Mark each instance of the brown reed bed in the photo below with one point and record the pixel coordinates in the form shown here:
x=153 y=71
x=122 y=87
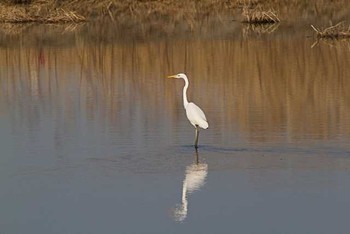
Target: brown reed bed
x=49 y=11
x=338 y=31
x=164 y=11
x=38 y=11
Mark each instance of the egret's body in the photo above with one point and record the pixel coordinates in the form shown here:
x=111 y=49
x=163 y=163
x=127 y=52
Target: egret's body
x=194 y=114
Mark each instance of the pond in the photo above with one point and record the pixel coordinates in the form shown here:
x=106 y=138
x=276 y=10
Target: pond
x=94 y=137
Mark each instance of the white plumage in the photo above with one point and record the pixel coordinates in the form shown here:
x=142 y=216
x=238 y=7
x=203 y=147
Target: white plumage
x=194 y=114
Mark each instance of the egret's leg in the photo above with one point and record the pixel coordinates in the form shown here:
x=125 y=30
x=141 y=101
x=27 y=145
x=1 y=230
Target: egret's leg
x=197 y=156
x=196 y=138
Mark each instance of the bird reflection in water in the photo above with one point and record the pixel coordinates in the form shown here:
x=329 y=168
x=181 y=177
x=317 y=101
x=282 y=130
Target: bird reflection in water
x=195 y=176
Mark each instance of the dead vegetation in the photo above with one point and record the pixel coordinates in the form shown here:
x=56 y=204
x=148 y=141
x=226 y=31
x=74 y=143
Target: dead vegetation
x=18 y=11
x=37 y=11
x=163 y=11
x=338 y=31
x=257 y=15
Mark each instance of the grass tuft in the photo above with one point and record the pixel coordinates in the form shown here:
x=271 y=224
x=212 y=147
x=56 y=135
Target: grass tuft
x=256 y=15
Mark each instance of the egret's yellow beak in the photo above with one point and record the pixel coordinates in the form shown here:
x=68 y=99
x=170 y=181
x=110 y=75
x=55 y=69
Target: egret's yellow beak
x=173 y=76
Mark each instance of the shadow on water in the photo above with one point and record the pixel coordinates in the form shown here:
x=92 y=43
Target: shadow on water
x=269 y=150
x=195 y=176
x=217 y=149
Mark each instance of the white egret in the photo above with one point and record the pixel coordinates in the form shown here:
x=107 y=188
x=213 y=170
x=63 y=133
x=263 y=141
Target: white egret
x=194 y=114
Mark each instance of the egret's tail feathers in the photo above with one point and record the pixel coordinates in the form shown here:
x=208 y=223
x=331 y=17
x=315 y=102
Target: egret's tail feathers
x=204 y=125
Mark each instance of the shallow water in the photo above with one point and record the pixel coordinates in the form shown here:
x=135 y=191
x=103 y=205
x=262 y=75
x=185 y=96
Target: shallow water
x=94 y=138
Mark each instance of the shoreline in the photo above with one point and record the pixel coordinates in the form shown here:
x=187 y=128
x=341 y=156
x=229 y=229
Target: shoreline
x=164 y=18
x=165 y=11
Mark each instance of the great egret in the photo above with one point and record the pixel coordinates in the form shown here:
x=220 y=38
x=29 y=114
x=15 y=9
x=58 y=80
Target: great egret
x=194 y=114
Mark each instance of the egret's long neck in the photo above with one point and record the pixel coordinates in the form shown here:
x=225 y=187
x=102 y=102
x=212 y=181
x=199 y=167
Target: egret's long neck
x=184 y=92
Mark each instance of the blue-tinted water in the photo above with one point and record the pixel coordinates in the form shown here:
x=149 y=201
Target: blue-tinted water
x=94 y=138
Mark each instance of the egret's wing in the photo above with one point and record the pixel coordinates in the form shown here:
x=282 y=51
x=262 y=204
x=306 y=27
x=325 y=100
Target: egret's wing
x=196 y=116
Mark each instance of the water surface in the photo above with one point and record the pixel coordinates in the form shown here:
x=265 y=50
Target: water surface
x=94 y=138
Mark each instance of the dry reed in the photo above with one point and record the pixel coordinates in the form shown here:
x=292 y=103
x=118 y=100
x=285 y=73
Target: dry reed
x=162 y=11
x=333 y=32
x=38 y=12
x=257 y=15
x=117 y=10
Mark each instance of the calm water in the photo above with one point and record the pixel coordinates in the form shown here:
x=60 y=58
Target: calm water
x=94 y=138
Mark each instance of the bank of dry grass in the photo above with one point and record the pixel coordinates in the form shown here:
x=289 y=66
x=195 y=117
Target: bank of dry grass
x=43 y=11
x=17 y=11
x=121 y=10
x=162 y=16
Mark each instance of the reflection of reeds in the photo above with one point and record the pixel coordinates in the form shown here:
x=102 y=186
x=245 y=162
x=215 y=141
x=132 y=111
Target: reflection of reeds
x=339 y=44
x=13 y=29
x=248 y=29
x=258 y=86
